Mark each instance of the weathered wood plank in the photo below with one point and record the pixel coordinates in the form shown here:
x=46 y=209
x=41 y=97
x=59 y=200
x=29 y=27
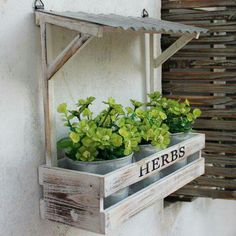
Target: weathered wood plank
x=220 y=159
x=72 y=24
x=61 y=178
x=214 y=182
x=170 y=51
x=216 y=124
x=218 y=147
x=206 y=88
x=67 y=53
x=207 y=192
x=207 y=52
x=207 y=100
x=220 y=171
x=201 y=64
x=220 y=136
x=220 y=113
x=89 y=220
x=202 y=76
x=188 y=4
x=124 y=210
x=223 y=39
x=128 y=175
x=202 y=15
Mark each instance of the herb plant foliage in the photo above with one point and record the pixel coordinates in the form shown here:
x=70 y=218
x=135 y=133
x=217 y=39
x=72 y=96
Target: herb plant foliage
x=180 y=115
x=111 y=134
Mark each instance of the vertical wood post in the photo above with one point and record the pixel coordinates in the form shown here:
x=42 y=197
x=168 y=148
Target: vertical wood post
x=46 y=102
x=151 y=63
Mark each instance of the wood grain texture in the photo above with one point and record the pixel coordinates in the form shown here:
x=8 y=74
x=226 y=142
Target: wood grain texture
x=204 y=72
x=172 y=49
x=128 y=175
x=67 y=53
x=80 y=26
x=124 y=210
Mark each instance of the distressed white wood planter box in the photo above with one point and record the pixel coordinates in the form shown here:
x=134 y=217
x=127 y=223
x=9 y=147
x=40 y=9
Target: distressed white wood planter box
x=77 y=198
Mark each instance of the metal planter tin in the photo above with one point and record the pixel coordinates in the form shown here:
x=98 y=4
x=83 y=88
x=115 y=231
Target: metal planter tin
x=146 y=150
x=103 y=167
x=179 y=137
x=174 y=139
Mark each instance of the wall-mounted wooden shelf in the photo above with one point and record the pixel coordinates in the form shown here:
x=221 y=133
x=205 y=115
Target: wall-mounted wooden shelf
x=77 y=198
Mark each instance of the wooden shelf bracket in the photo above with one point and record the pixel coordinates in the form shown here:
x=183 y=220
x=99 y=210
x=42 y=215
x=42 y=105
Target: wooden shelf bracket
x=175 y=47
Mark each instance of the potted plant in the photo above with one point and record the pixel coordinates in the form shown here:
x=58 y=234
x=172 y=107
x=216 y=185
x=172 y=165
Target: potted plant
x=180 y=116
x=99 y=144
x=180 y=119
x=154 y=133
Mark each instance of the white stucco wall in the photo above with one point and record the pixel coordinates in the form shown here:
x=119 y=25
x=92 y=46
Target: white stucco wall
x=22 y=141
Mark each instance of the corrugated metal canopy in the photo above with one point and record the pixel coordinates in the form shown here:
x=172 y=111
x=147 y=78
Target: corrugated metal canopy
x=129 y=23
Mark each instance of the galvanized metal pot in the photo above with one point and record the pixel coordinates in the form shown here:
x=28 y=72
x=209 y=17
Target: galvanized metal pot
x=146 y=150
x=179 y=137
x=176 y=138
x=103 y=167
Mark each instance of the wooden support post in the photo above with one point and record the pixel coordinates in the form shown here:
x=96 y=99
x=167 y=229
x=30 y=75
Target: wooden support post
x=47 y=73
x=43 y=35
x=67 y=53
x=176 y=46
x=151 y=70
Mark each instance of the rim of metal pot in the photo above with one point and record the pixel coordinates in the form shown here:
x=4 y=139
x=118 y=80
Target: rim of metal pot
x=173 y=134
x=102 y=161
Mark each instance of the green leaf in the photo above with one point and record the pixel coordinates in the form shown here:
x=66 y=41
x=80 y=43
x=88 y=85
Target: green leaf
x=123 y=132
x=64 y=143
x=116 y=140
x=74 y=137
x=197 y=112
x=62 y=108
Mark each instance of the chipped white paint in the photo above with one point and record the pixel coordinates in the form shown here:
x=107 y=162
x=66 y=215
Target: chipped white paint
x=21 y=139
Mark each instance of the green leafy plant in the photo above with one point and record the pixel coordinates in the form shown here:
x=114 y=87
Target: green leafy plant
x=110 y=135
x=180 y=115
x=150 y=124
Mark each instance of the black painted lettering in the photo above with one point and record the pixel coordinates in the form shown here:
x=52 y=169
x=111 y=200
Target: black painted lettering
x=181 y=151
x=174 y=155
x=155 y=164
x=164 y=159
x=145 y=168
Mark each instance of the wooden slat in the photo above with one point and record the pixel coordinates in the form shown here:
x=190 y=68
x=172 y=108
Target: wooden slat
x=220 y=136
x=201 y=76
x=214 y=182
x=201 y=64
x=196 y=4
x=76 y=217
x=220 y=113
x=215 y=124
x=62 y=177
x=207 y=192
x=117 y=214
x=220 y=171
x=220 y=159
x=206 y=88
x=204 y=72
x=216 y=147
x=207 y=52
x=128 y=175
x=205 y=40
x=203 y=15
x=206 y=100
